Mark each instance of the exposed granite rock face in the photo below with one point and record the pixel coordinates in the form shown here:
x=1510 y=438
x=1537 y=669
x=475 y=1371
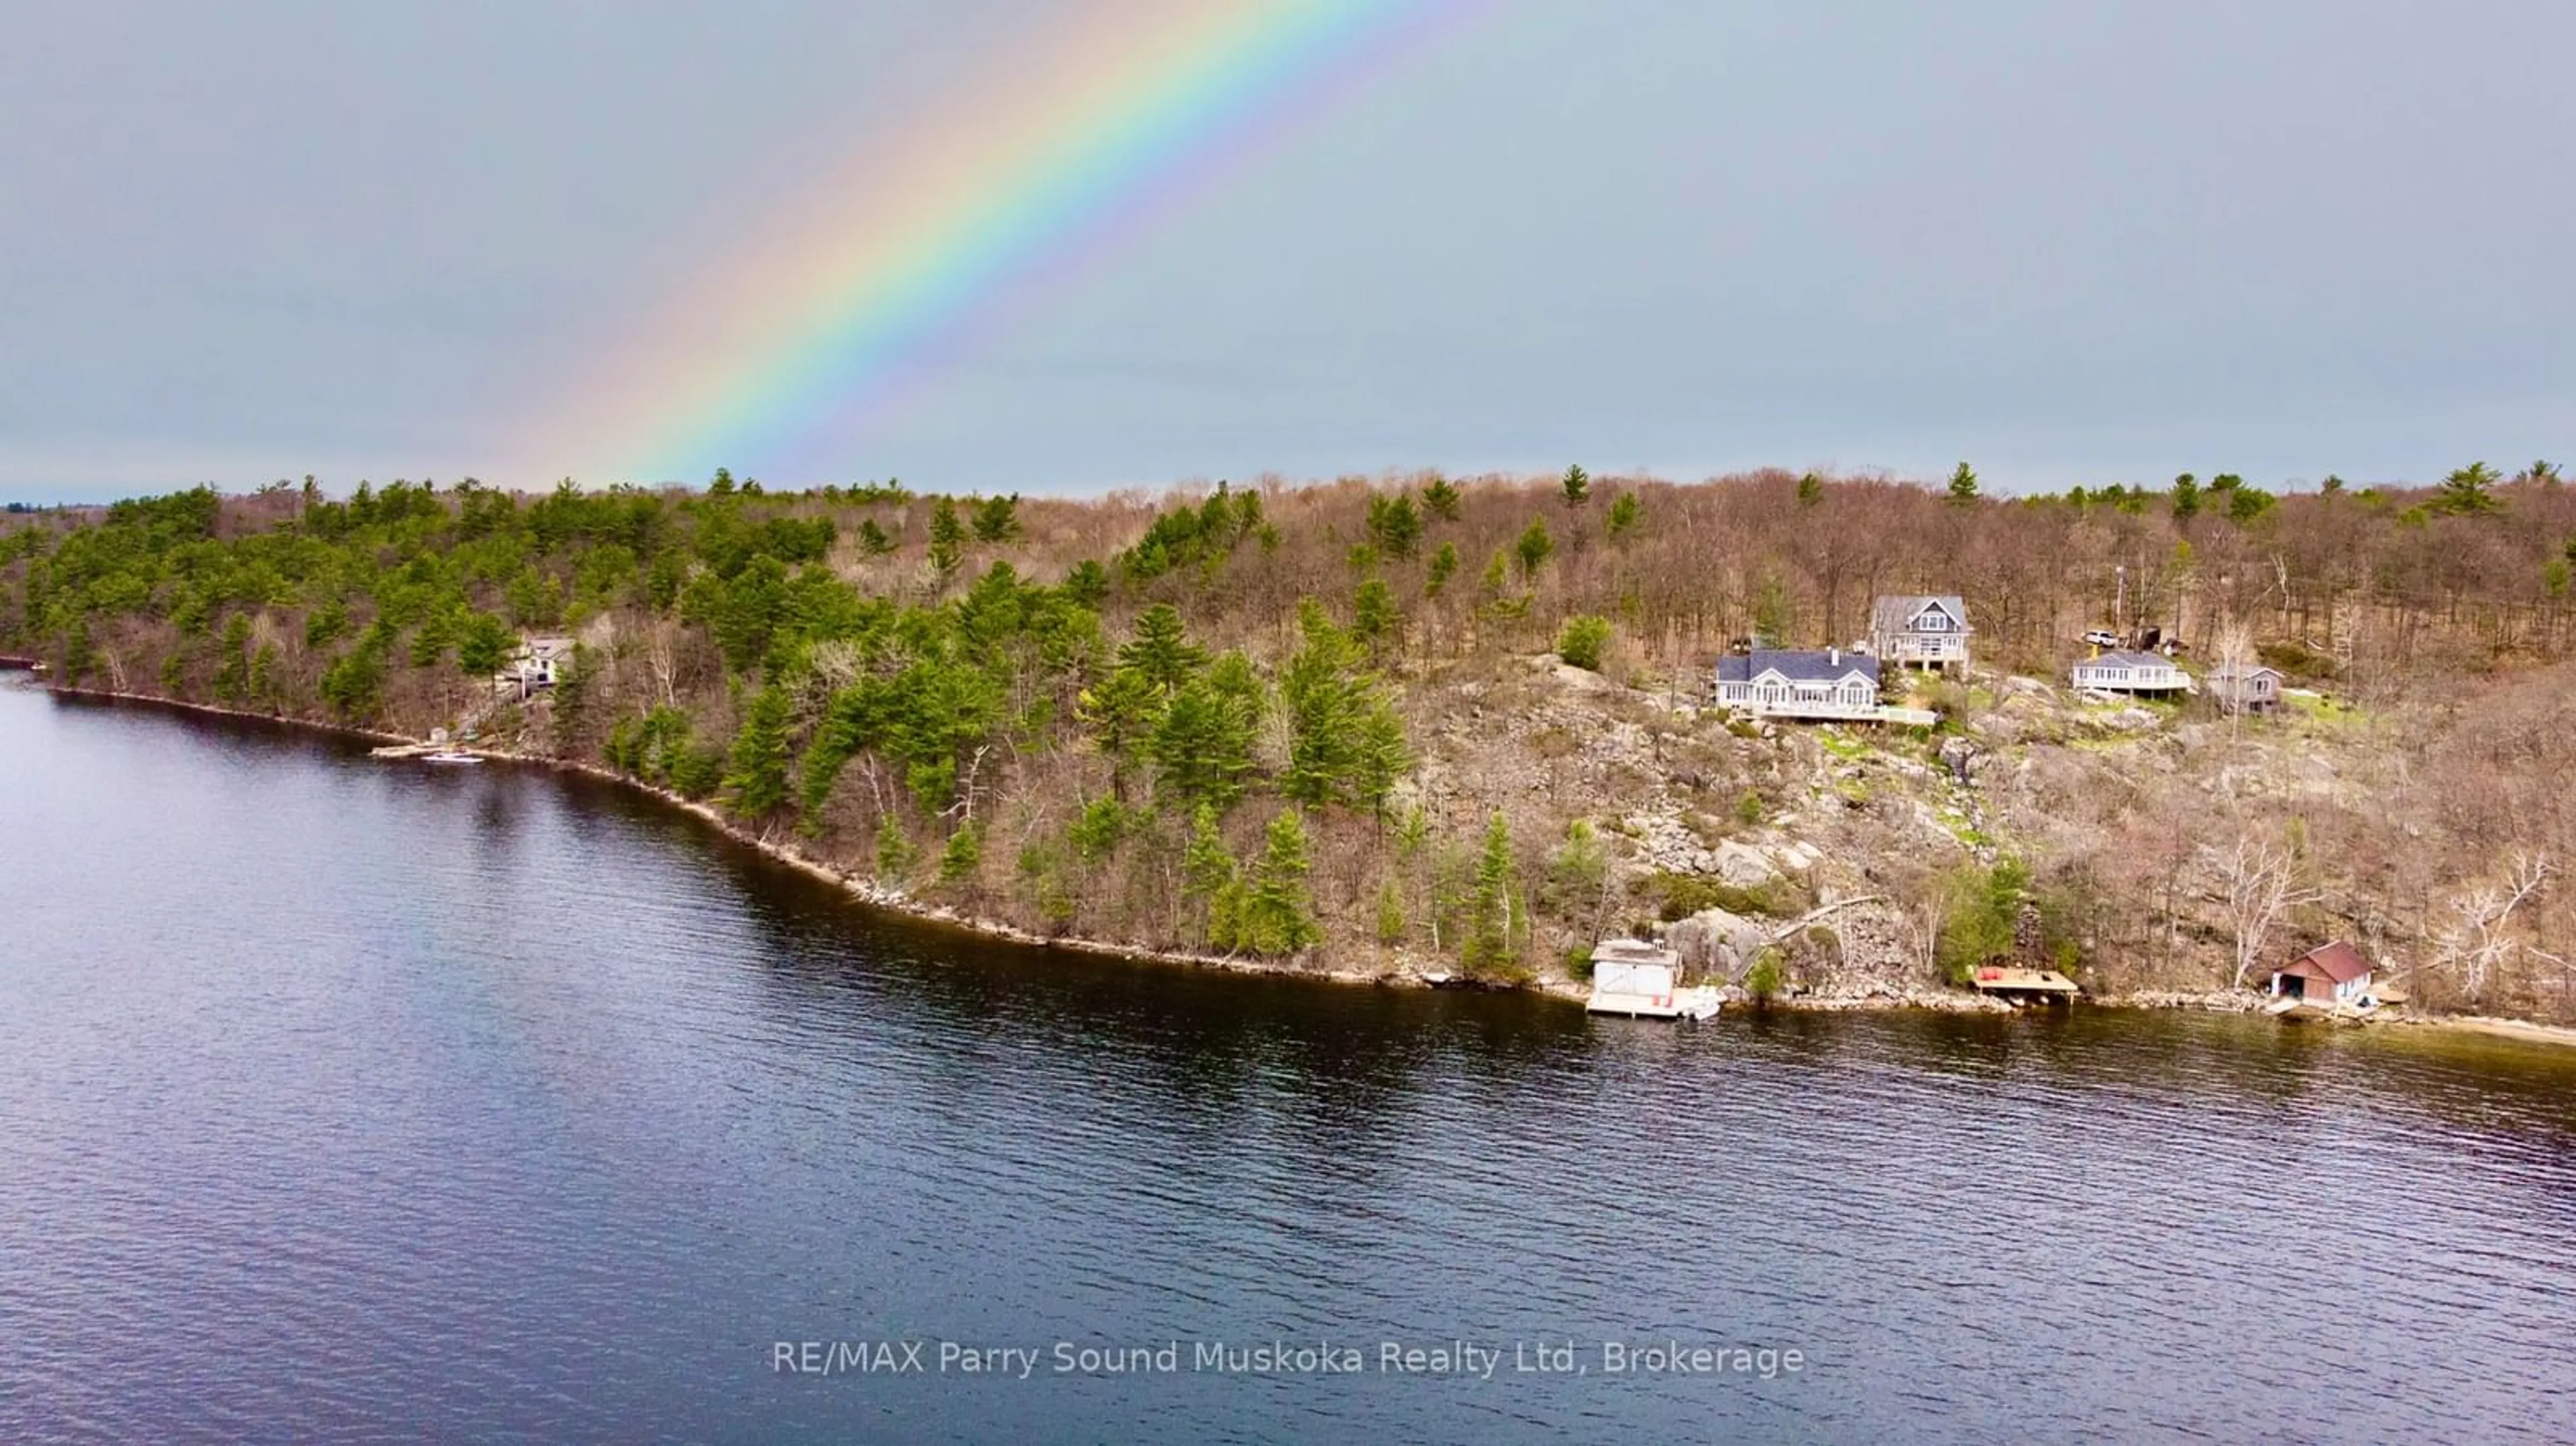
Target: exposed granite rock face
x=1716 y=942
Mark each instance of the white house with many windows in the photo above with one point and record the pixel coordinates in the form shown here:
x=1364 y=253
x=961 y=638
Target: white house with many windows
x=2127 y=672
x=1829 y=683
x=1920 y=632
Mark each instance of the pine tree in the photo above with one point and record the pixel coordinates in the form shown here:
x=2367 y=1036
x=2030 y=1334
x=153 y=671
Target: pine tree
x=1811 y=489
x=1161 y=652
x=1373 y=616
x=1278 y=912
x=1625 y=513
x=1122 y=711
x=1390 y=913
x=1322 y=701
x=1395 y=524
x=756 y=773
x=1577 y=486
x=483 y=645
x=1963 y=485
x=963 y=855
x=1444 y=564
x=1440 y=498
x=1488 y=937
x=2466 y=491
x=1207 y=871
x=947 y=538
x=1534 y=548
x=1202 y=746
x=997 y=519
x=2186 y=497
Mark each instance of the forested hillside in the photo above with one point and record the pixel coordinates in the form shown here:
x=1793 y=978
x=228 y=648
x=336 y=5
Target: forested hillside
x=1433 y=725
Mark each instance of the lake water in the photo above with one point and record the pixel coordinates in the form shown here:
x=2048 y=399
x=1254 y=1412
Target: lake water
x=351 y=1101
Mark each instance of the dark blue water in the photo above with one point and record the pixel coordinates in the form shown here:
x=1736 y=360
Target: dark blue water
x=351 y=1101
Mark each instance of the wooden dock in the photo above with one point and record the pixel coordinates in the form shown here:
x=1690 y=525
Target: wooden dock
x=2024 y=986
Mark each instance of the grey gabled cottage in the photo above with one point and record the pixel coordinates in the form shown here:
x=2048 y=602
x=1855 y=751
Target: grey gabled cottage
x=1921 y=631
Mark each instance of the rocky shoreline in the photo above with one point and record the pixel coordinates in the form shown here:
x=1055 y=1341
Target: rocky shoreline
x=895 y=901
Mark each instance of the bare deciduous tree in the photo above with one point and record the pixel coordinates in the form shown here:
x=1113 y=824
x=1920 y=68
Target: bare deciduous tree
x=2477 y=944
x=2262 y=886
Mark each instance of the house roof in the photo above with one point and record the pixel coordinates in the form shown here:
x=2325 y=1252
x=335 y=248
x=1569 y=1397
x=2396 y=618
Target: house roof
x=2226 y=672
x=1821 y=665
x=1896 y=613
x=2126 y=660
x=2338 y=961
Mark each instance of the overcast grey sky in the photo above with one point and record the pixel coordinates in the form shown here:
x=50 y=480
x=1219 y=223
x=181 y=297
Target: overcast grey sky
x=2073 y=242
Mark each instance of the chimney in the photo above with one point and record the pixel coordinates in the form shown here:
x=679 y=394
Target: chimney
x=1834 y=657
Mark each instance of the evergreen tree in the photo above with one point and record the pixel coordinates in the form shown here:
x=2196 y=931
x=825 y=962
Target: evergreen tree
x=756 y=772
x=1373 y=616
x=1577 y=486
x=997 y=519
x=2467 y=492
x=1322 y=699
x=1811 y=489
x=2186 y=497
x=1278 y=912
x=1582 y=641
x=947 y=538
x=1625 y=513
x=1444 y=563
x=1390 y=913
x=1487 y=942
x=1202 y=746
x=1207 y=871
x=1534 y=548
x=1440 y=498
x=1963 y=485
x=963 y=855
x=483 y=645
x=1161 y=652
x=232 y=675
x=1119 y=710
x=1395 y=524
x=1380 y=757
x=895 y=853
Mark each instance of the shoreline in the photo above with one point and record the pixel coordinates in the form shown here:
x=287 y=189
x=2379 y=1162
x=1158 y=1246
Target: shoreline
x=896 y=902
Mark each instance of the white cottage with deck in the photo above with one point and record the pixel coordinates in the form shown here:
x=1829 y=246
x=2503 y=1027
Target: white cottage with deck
x=1774 y=683
x=1921 y=631
x=538 y=662
x=2128 y=672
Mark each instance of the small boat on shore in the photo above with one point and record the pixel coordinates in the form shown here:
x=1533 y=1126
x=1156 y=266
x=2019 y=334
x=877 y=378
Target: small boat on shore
x=449 y=756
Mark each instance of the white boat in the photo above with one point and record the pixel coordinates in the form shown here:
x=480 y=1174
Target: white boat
x=450 y=756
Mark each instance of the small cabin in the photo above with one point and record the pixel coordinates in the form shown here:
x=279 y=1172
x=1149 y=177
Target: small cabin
x=1828 y=683
x=1642 y=981
x=2331 y=974
x=2246 y=687
x=1921 y=631
x=2130 y=672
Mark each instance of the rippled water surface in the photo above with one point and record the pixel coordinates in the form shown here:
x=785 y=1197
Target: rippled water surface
x=342 y=1100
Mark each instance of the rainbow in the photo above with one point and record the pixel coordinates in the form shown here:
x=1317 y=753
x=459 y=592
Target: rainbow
x=912 y=252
